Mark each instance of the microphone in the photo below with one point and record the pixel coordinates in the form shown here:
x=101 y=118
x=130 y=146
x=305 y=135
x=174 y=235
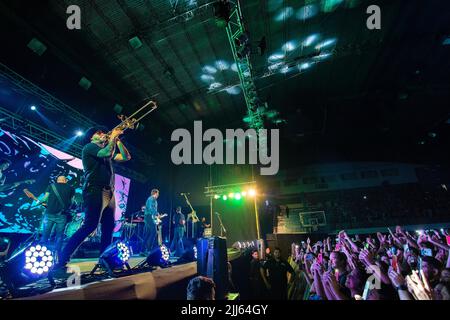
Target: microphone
x=217 y=213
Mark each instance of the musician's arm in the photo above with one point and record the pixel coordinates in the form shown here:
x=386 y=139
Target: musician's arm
x=45 y=197
x=124 y=154
x=107 y=151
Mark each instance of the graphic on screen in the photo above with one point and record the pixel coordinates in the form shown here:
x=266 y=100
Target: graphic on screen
x=33 y=166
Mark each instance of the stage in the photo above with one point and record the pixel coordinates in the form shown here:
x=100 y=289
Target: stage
x=160 y=284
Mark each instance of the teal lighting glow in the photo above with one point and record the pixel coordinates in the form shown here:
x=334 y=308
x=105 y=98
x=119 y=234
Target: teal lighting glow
x=307 y=12
x=234 y=67
x=304 y=66
x=235 y=90
x=323 y=56
x=276 y=66
x=209 y=69
x=330 y=5
x=325 y=44
x=310 y=40
x=289 y=46
x=207 y=78
x=276 y=56
x=284 y=14
x=222 y=65
x=215 y=85
x=273 y=5
x=284 y=69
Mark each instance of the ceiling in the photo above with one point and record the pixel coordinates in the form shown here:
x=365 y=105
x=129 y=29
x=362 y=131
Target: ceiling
x=371 y=90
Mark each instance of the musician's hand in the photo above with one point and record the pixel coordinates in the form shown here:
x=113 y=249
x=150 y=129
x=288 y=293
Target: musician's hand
x=116 y=133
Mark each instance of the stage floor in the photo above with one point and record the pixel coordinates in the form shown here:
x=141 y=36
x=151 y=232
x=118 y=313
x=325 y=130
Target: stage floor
x=161 y=283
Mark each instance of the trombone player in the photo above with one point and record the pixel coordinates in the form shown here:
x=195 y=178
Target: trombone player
x=101 y=148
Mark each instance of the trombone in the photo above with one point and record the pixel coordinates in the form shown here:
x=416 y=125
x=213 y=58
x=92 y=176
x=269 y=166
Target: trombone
x=132 y=121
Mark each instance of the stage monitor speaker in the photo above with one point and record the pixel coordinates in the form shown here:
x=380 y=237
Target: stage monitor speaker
x=212 y=262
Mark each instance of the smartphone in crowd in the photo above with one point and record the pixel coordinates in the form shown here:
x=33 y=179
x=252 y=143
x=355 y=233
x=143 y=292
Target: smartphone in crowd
x=426 y=252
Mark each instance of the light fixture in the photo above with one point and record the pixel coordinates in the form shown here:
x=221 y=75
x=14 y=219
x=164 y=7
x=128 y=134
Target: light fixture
x=79 y=133
x=28 y=264
x=115 y=257
x=158 y=257
x=33 y=108
x=222 y=11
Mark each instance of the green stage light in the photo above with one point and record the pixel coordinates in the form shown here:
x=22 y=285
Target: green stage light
x=216 y=196
x=231 y=195
x=244 y=193
x=224 y=197
x=237 y=196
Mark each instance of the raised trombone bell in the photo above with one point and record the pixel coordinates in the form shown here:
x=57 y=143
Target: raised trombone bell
x=132 y=121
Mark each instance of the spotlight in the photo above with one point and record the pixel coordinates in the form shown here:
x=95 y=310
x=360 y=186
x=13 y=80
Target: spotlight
x=222 y=11
x=79 y=133
x=224 y=197
x=216 y=196
x=33 y=108
x=115 y=257
x=252 y=192
x=158 y=257
x=28 y=264
x=237 y=196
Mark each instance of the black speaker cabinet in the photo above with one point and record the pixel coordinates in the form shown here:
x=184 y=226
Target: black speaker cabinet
x=212 y=262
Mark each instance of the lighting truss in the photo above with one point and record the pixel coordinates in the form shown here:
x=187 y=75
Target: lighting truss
x=210 y=191
x=46 y=136
x=255 y=109
x=39 y=133
x=48 y=101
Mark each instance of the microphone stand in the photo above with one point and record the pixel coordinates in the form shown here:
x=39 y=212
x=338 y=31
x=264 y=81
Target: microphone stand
x=193 y=217
x=222 y=228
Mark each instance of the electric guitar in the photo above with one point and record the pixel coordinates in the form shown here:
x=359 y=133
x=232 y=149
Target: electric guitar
x=33 y=197
x=158 y=218
x=10 y=186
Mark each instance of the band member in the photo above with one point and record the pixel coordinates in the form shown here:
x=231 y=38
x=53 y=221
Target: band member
x=151 y=212
x=203 y=227
x=98 y=188
x=179 y=226
x=58 y=197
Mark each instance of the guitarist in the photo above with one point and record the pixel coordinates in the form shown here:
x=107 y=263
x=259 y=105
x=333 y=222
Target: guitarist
x=178 y=233
x=58 y=197
x=150 y=218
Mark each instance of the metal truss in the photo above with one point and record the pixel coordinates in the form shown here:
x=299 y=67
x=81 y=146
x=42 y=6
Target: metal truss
x=255 y=108
x=33 y=130
x=49 y=101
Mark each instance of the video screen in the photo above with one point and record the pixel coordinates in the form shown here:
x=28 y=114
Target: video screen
x=33 y=166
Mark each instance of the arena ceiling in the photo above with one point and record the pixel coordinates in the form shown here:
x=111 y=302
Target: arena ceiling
x=367 y=89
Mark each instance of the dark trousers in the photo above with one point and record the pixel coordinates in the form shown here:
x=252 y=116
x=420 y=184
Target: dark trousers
x=99 y=207
x=177 y=242
x=57 y=221
x=149 y=234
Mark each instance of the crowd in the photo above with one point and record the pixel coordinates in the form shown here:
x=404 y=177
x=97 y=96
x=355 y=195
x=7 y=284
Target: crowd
x=396 y=265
